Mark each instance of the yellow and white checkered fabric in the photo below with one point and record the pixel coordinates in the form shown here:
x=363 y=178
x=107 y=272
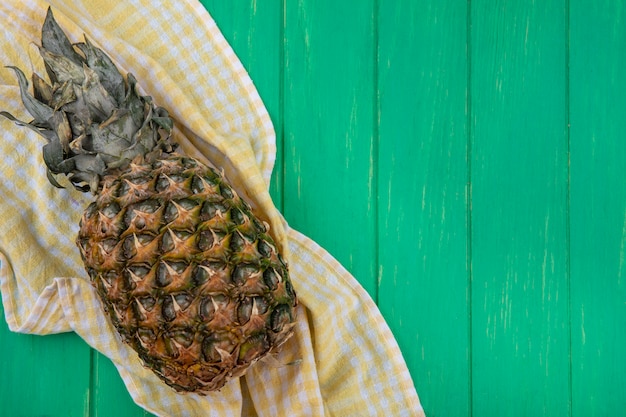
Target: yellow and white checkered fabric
x=345 y=359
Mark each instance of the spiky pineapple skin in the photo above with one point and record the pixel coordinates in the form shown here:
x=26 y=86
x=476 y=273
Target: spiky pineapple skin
x=189 y=277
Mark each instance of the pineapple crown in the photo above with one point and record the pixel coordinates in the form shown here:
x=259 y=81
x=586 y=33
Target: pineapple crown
x=93 y=119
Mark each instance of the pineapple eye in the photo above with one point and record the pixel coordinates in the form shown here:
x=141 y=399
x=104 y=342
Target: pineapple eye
x=182 y=336
x=148 y=206
x=165 y=271
x=111 y=210
x=168 y=309
x=187 y=203
x=261 y=305
x=208 y=348
x=172 y=210
x=183 y=300
x=147 y=336
x=211 y=304
x=139 y=271
x=205 y=240
x=140 y=223
x=200 y=275
x=252 y=347
x=280 y=317
x=147 y=302
x=289 y=289
x=93 y=274
x=136 y=213
x=207 y=309
x=129 y=184
x=237 y=216
x=91 y=210
x=271 y=278
x=259 y=225
x=188 y=163
x=197 y=186
x=210 y=209
x=168 y=243
x=226 y=191
x=110 y=277
x=203 y=273
x=220 y=300
x=265 y=249
x=245 y=310
x=84 y=245
x=144 y=239
x=128 y=247
x=162 y=183
x=108 y=245
x=242 y=273
x=237 y=242
x=215 y=341
x=163 y=277
x=171 y=213
x=122 y=189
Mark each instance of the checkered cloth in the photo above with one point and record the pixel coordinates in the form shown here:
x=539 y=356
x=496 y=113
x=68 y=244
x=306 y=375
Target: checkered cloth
x=343 y=359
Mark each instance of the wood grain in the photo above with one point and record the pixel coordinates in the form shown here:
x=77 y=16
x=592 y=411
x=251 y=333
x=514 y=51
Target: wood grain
x=43 y=375
x=466 y=162
x=598 y=206
x=423 y=195
x=519 y=174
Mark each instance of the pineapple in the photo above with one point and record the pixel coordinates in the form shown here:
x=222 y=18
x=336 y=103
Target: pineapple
x=187 y=274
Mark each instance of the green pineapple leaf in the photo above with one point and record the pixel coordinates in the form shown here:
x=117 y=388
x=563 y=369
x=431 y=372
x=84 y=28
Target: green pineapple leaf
x=40 y=111
x=110 y=77
x=54 y=40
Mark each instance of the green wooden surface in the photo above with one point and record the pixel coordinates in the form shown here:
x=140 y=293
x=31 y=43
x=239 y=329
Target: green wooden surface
x=466 y=161
x=598 y=206
x=519 y=175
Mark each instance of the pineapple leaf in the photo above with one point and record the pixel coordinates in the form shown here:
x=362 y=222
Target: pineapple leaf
x=40 y=111
x=63 y=95
x=61 y=126
x=88 y=163
x=53 y=156
x=121 y=123
x=61 y=68
x=82 y=180
x=46 y=133
x=99 y=102
x=52 y=179
x=107 y=142
x=54 y=40
x=77 y=109
x=110 y=77
x=43 y=91
x=164 y=122
x=146 y=137
x=133 y=102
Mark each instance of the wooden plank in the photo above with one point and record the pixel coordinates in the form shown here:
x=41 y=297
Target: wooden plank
x=598 y=206
x=519 y=173
x=46 y=375
x=329 y=117
x=423 y=197
x=109 y=396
